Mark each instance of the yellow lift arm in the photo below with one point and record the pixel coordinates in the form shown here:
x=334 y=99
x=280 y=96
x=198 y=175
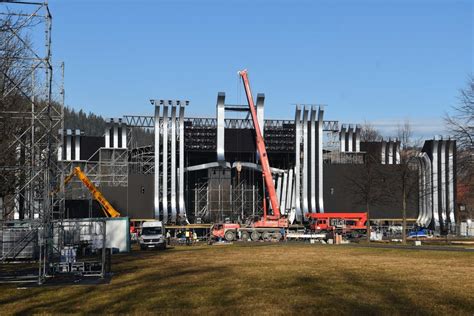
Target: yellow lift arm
x=108 y=209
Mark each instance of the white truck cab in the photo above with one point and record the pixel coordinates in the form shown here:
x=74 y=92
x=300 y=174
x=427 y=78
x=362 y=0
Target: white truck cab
x=152 y=235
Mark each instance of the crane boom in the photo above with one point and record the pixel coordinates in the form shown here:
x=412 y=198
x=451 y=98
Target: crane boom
x=262 y=151
x=108 y=209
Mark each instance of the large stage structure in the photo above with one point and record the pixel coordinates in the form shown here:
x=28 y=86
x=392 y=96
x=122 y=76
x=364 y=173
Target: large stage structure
x=190 y=169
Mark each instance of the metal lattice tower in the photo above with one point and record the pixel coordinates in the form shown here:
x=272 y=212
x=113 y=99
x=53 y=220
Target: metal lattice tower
x=31 y=114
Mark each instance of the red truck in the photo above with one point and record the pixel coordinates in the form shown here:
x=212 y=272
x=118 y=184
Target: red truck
x=346 y=223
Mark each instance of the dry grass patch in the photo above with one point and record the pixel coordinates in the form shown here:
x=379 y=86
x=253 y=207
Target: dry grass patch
x=267 y=279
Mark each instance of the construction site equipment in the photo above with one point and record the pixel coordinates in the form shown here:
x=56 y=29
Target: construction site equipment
x=268 y=220
x=345 y=222
x=107 y=208
x=268 y=227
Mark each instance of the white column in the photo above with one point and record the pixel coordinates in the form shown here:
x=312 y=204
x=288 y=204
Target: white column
x=283 y=193
x=182 y=210
x=77 y=145
x=156 y=201
x=173 y=164
x=116 y=135
x=342 y=139
x=320 y=160
x=165 y=163
x=312 y=180
x=443 y=182
x=305 y=162
x=451 y=183
x=350 y=135
x=297 y=191
x=124 y=135
x=435 y=166
x=107 y=135
x=68 y=145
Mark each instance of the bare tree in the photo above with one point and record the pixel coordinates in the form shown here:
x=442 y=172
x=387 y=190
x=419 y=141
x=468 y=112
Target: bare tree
x=15 y=80
x=407 y=184
x=405 y=134
x=367 y=187
x=369 y=133
x=460 y=124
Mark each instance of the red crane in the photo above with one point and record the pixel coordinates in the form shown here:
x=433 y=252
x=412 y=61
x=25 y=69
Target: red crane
x=268 y=226
x=274 y=220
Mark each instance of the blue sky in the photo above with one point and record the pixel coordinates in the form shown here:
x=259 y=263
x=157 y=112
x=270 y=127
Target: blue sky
x=380 y=61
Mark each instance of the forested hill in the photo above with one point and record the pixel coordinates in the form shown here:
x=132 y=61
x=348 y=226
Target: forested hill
x=90 y=124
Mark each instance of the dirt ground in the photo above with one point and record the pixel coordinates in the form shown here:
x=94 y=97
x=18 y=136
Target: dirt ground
x=265 y=279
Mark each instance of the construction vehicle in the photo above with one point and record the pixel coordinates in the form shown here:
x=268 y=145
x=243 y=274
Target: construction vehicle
x=107 y=208
x=345 y=223
x=269 y=226
x=153 y=235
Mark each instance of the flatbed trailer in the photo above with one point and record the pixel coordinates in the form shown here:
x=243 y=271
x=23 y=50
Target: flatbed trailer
x=232 y=232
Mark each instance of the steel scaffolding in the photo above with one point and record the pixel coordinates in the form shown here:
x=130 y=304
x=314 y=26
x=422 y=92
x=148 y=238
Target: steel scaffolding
x=216 y=202
x=31 y=114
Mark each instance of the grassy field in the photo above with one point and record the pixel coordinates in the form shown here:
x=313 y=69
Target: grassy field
x=266 y=279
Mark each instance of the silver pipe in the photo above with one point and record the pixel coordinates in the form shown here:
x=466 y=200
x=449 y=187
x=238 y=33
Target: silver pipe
x=320 y=160
x=443 y=182
x=423 y=191
x=260 y=111
x=182 y=208
x=435 y=185
x=297 y=191
x=165 y=163
x=390 y=152
x=278 y=190
x=124 y=135
x=421 y=207
x=429 y=190
x=68 y=145
x=283 y=193
x=60 y=153
x=156 y=201
x=342 y=139
x=452 y=219
x=173 y=164
x=383 y=158
x=289 y=193
x=107 y=135
x=349 y=139
x=357 y=139
x=220 y=126
x=397 y=152
x=293 y=211
x=115 y=136
x=313 y=206
x=77 y=145
x=305 y=161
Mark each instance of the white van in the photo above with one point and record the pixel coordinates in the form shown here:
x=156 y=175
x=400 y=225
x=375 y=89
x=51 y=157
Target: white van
x=153 y=235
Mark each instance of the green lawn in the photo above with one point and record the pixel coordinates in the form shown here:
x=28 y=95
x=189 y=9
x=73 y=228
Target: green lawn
x=266 y=279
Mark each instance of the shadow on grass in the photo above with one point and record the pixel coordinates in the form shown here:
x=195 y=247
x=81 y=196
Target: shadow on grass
x=154 y=290
x=207 y=280
x=379 y=294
